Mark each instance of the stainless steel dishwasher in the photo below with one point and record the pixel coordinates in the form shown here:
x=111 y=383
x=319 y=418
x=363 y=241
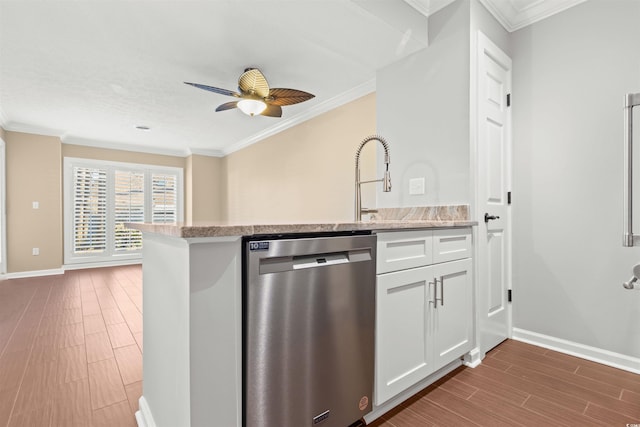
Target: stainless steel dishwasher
x=308 y=330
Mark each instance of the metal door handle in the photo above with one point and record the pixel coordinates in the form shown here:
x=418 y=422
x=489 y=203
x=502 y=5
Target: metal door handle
x=488 y=217
x=435 y=301
x=435 y=293
x=441 y=299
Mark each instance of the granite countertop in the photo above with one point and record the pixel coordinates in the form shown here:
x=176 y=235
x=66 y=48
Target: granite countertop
x=385 y=219
x=220 y=230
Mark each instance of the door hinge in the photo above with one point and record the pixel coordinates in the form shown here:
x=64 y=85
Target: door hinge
x=508 y=100
x=509 y=295
x=509 y=197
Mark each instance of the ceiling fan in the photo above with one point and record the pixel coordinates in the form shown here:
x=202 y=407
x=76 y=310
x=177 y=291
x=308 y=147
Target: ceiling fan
x=255 y=95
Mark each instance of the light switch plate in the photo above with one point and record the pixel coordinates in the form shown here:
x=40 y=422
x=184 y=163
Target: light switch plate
x=416 y=186
x=36 y=205
x=35 y=251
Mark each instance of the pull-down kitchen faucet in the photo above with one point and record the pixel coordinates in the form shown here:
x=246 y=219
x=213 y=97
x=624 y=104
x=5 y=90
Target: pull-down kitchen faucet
x=386 y=180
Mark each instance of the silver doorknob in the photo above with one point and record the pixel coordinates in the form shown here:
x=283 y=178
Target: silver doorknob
x=488 y=217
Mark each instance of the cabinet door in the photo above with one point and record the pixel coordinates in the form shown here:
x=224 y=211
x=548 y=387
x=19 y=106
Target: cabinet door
x=402 y=306
x=451 y=316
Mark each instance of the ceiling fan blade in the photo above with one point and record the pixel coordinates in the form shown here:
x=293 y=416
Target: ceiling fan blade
x=215 y=89
x=253 y=82
x=283 y=96
x=227 y=106
x=272 y=111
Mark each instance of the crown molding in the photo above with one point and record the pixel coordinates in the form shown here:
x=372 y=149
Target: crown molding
x=337 y=101
x=72 y=140
x=36 y=130
x=513 y=19
x=205 y=152
x=428 y=7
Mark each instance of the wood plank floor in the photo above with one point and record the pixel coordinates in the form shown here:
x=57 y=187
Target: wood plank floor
x=71 y=349
x=71 y=355
x=519 y=384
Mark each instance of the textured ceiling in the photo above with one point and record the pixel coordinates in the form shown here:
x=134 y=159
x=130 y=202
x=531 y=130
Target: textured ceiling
x=91 y=71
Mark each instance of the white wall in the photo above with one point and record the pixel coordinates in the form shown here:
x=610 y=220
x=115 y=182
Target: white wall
x=423 y=112
x=423 y=107
x=570 y=74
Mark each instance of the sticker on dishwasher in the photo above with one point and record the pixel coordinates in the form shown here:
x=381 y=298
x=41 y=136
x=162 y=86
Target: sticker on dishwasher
x=258 y=246
x=364 y=402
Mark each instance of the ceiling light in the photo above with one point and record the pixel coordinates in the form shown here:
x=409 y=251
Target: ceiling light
x=251 y=107
x=143 y=128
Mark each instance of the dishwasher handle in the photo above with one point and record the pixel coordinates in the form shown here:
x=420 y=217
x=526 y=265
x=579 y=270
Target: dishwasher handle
x=301 y=262
x=319 y=260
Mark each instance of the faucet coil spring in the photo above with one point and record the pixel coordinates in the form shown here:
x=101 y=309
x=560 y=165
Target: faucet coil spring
x=386 y=179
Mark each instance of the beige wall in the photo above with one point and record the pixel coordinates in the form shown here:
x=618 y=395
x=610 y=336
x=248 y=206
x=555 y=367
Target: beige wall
x=34 y=174
x=305 y=173
x=204 y=183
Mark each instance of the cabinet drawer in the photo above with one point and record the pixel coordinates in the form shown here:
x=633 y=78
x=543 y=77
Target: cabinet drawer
x=450 y=245
x=399 y=250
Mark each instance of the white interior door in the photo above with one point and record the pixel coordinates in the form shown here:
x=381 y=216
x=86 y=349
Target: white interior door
x=494 y=173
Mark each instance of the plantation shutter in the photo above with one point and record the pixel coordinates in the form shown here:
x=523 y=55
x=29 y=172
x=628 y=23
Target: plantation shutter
x=164 y=198
x=89 y=210
x=129 y=207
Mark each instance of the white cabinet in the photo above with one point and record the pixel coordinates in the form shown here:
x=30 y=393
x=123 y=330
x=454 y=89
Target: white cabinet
x=452 y=314
x=402 y=350
x=423 y=312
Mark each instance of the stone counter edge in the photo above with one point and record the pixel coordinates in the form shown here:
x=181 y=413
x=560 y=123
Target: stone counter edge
x=195 y=231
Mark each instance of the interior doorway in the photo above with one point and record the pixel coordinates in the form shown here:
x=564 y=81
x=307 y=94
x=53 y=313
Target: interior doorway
x=493 y=211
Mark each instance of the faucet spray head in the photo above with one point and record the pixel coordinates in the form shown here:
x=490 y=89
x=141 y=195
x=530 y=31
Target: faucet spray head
x=386 y=181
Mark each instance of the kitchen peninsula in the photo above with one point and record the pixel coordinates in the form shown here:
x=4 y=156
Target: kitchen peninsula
x=192 y=298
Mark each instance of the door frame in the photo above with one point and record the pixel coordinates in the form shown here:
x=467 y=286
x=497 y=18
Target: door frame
x=479 y=43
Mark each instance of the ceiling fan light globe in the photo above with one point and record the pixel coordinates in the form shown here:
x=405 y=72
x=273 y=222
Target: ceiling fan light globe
x=251 y=107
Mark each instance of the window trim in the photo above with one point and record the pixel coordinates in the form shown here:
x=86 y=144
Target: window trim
x=111 y=256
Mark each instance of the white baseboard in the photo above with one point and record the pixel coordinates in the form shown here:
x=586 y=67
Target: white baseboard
x=143 y=416
x=472 y=359
x=115 y=263
x=35 y=273
x=598 y=355
x=58 y=271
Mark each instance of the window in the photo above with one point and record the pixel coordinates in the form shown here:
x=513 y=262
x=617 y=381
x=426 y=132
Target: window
x=163 y=198
x=89 y=210
x=129 y=207
x=100 y=197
